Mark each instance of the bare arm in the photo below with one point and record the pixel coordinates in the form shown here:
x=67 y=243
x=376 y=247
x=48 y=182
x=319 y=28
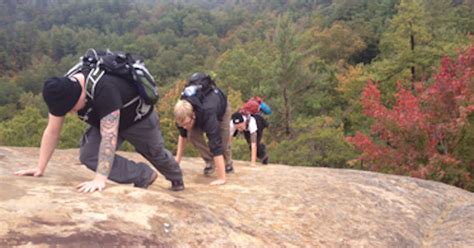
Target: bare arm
x=220 y=168
x=253 y=148
x=253 y=154
x=109 y=133
x=49 y=141
x=180 y=148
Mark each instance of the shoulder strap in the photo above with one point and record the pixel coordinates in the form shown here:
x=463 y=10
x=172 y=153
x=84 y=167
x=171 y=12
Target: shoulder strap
x=92 y=79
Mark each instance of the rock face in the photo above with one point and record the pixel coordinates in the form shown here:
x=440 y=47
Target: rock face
x=264 y=206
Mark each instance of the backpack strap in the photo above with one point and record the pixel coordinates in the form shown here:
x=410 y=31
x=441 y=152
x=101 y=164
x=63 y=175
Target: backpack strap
x=74 y=70
x=92 y=79
x=92 y=64
x=142 y=108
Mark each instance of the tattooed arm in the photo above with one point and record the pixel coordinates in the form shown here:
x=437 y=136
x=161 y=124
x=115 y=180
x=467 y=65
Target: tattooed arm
x=109 y=132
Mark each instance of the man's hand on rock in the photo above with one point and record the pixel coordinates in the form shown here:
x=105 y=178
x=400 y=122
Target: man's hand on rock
x=29 y=172
x=217 y=182
x=98 y=184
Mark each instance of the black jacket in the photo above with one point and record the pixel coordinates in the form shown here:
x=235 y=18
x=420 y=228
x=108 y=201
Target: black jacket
x=209 y=111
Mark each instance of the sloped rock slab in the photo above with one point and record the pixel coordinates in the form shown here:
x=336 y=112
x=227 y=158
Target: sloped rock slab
x=265 y=206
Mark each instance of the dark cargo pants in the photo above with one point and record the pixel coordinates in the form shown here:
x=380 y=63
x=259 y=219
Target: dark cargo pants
x=146 y=137
x=196 y=137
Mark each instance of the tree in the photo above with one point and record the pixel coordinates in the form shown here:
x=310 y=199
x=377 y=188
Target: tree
x=63 y=42
x=286 y=67
x=366 y=18
x=337 y=43
x=415 y=40
x=464 y=20
x=25 y=129
x=9 y=91
x=28 y=99
x=165 y=111
x=351 y=83
x=241 y=70
x=301 y=83
x=16 y=46
x=407 y=36
x=421 y=133
x=71 y=133
x=32 y=78
x=318 y=141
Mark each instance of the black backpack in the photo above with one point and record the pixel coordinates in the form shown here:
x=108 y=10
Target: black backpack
x=96 y=63
x=200 y=85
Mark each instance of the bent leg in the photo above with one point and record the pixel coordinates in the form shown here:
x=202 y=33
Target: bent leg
x=196 y=137
x=123 y=170
x=146 y=137
x=225 y=133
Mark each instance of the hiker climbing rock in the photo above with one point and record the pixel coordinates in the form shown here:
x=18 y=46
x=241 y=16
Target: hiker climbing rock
x=203 y=108
x=249 y=121
x=112 y=104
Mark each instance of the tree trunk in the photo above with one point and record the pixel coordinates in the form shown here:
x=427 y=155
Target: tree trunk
x=287 y=111
x=413 y=72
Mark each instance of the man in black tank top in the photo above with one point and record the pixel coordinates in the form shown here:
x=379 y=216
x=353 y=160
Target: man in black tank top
x=112 y=116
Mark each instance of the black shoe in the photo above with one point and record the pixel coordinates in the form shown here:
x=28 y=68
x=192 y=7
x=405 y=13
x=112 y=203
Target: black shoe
x=177 y=185
x=209 y=169
x=229 y=169
x=150 y=181
x=265 y=160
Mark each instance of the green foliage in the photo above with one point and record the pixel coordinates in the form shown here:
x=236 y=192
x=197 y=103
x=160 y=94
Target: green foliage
x=317 y=142
x=63 y=42
x=240 y=148
x=32 y=79
x=416 y=38
x=243 y=71
x=234 y=97
x=105 y=16
x=464 y=20
x=28 y=99
x=71 y=133
x=25 y=129
x=313 y=63
x=366 y=18
x=287 y=74
x=7 y=111
x=351 y=83
x=16 y=43
x=464 y=152
x=165 y=112
x=338 y=43
x=9 y=92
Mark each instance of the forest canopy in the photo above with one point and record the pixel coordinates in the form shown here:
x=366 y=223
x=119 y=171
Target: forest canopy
x=341 y=76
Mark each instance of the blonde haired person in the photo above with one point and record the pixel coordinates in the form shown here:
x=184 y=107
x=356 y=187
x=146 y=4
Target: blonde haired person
x=203 y=108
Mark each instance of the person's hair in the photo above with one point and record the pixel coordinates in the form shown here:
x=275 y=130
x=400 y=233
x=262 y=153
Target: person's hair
x=183 y=109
